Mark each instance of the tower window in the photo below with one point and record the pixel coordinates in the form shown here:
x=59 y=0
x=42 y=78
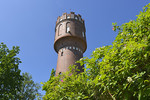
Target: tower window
x=68 y=28
x=60 y=20
x=76 y=18
x=60 y=29
x=68 y=17
x=76 y=48
x=73 y=47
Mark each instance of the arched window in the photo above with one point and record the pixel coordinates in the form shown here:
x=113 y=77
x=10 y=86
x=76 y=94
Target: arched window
x=68 y=17
x=60 y=29
x=68 y=27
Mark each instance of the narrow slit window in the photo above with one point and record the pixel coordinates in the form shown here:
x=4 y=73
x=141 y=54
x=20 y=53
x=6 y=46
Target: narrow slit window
x=68 y=28
x=60 y=29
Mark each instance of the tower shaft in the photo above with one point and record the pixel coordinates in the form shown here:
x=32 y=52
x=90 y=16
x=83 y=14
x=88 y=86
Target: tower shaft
x=70 y=41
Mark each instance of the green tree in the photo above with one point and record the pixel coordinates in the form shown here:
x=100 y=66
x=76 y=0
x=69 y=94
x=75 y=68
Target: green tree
x=13 y=85
x=52 y=74
x=29 y=89
x=10 y=78
x=120 y=71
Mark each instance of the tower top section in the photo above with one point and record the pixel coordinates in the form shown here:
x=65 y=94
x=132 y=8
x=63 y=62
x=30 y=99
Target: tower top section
x=72 y=15
x=70 y=31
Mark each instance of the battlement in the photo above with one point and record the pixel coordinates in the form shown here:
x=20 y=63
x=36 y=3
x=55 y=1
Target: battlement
x=70 y=16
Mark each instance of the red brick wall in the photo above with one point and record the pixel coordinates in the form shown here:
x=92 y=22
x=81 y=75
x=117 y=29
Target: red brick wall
x=69 y=46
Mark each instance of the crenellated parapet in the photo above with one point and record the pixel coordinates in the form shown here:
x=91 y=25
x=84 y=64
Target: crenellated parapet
x=71 y=16
x=70 y=29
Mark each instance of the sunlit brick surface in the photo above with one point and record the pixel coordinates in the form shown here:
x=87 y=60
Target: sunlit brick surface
x=70 y=41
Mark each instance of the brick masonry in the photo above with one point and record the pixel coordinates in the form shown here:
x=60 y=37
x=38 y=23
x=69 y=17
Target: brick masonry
x=70 y=41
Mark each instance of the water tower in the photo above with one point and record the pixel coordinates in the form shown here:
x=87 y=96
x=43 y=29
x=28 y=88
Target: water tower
x=70 y=41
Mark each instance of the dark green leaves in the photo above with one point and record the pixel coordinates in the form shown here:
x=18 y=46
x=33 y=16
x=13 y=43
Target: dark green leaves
x=10 y=78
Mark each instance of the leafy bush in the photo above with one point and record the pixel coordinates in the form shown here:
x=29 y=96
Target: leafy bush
x=120 y=71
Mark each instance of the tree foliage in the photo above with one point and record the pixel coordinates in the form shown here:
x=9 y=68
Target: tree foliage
x=10 y=78
x=13 y=85
x=29 y=89
x=120 y=71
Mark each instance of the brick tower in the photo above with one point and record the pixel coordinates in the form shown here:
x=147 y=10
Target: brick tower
x=70 y=41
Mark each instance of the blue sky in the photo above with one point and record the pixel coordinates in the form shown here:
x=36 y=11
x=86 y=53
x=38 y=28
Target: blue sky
x=30 y=24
